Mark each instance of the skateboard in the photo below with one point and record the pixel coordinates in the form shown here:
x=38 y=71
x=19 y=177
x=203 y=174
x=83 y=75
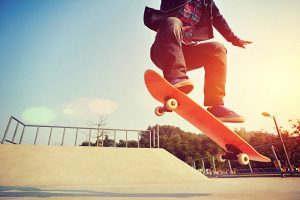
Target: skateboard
x=235 y=147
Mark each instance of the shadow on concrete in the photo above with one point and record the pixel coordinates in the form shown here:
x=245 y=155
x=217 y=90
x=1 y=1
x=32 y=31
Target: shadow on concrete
x=18 y=191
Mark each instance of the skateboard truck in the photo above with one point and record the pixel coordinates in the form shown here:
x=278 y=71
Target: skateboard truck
x=233 y=153
x=169 y=106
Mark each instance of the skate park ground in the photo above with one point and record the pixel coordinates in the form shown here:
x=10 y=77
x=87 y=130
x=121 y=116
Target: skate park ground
x=52 y=172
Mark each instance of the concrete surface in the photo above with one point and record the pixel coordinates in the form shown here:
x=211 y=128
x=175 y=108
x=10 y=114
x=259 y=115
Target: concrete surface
x=43 y=172
x=27 y=165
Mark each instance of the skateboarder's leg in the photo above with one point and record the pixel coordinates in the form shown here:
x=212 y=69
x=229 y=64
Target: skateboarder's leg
x=213 y=57
x=166 y=53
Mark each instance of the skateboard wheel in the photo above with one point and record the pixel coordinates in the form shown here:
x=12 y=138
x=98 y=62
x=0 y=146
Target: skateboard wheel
x=171 y=104
x=243 y=159
x=158 y=111
x=220 y=157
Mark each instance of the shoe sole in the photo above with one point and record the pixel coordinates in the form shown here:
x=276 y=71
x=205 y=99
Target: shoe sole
x=232 y=120
x=185 y=86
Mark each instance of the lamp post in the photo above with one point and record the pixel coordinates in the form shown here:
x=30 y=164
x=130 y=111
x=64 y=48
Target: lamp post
x=279 y=134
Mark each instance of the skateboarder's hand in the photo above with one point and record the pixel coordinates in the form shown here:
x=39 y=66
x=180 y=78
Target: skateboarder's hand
x=241 y=43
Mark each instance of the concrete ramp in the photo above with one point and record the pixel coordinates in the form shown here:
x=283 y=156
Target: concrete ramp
x=30 y=165
x=64 y=173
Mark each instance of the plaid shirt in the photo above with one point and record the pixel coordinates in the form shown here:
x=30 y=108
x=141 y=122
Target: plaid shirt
x=190 y=15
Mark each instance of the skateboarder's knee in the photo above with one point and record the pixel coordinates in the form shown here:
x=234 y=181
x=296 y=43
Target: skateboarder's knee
x=219 y=48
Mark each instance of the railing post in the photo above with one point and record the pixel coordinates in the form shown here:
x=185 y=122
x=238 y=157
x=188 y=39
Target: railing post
x=154 y=133
x=36 y=135
x=23 y=131
x=230 y=168
x=90 y=137
x=102 y=143
x=50 y=135
x=63 y=138
x=114 y=138
x=126 y=139
x=150 y=135
x=250 y=167
x=203 y=167
x=157 y=130
x=76 y=136
x=214 y=165
x=138 y=140
x=6 y=131
x=15 y=133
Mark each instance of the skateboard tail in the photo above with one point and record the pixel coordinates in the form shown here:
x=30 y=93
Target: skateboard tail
x=244 y=146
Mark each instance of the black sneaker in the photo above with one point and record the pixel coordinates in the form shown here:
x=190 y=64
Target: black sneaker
x=225 y=114
x=183 y=84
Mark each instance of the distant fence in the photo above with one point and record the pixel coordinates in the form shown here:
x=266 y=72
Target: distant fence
x=19 y=133
x=277 y=169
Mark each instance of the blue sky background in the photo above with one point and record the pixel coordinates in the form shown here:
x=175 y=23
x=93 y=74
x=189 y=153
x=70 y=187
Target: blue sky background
x=65 y=62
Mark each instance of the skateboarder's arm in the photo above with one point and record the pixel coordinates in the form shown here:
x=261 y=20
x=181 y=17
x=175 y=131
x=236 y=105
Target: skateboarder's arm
x=222 y=26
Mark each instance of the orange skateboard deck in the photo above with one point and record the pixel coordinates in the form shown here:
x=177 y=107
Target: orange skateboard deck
x=175 y=100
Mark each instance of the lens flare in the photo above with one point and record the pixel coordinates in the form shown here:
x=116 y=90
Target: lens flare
x=38 y=115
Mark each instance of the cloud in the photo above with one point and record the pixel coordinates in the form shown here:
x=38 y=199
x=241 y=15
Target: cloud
x=68 y=111
x=103 y=106
x=84 y=107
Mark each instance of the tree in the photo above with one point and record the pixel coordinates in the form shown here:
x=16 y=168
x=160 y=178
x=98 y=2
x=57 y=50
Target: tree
x=292 y=137
x=191 y=147
x=130 y=143
x=186 y=146
x=295 y=127
x=100 y=125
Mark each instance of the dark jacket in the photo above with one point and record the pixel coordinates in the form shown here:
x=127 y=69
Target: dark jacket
x=166 y=5
x=211 y=18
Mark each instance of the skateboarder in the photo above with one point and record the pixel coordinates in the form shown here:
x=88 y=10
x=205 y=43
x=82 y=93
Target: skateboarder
x=180 y=46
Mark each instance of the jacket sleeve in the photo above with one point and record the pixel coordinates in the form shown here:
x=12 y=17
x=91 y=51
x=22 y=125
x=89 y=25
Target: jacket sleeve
x=221 y=25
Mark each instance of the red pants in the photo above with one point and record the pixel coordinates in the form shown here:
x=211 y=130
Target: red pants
x=176 y=58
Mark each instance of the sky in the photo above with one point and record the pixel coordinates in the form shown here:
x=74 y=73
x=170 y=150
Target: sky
x=66 y=62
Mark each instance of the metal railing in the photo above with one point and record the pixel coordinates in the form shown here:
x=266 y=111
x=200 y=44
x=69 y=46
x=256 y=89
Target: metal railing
x=17 y=130
x=278 y=168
